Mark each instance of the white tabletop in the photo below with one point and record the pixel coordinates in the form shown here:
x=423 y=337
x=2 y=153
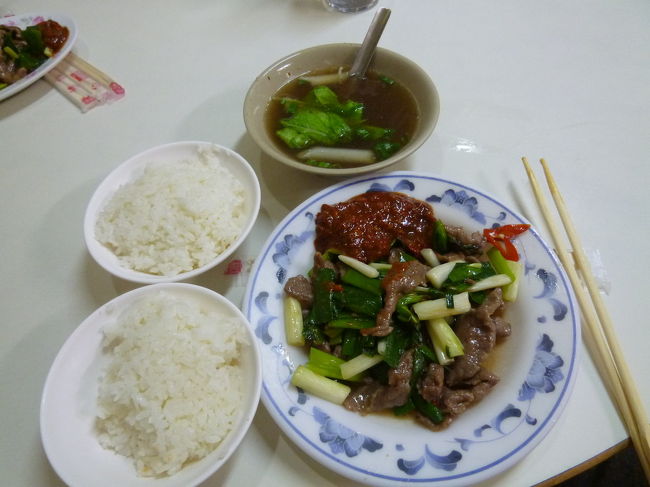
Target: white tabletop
x=567 y=81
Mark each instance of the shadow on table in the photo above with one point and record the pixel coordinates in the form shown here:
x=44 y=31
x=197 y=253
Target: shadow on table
x=22 y=99
x=286 y=186
x=27 y=370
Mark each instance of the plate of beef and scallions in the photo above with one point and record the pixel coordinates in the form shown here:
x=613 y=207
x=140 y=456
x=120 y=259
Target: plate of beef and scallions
x=413 y=329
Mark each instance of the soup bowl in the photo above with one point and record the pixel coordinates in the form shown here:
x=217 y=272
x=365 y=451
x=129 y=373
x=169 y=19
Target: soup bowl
x=329 y=57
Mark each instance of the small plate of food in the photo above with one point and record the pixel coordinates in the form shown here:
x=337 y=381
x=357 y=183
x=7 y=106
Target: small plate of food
x=412 y=329
x=32 y=45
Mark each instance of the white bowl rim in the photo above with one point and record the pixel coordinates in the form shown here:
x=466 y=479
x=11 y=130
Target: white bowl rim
x=97 y=201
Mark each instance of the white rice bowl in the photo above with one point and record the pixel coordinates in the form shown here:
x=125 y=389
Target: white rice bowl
x=70 y=407
x=172 y=212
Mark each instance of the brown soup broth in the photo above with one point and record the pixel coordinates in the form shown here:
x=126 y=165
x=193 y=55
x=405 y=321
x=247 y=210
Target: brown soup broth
x=385 y=105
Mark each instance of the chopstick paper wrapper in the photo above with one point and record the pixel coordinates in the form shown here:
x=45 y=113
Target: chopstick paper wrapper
x=604 y=346
x=83 y=84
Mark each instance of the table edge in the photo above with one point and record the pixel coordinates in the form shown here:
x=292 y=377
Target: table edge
x=586 y=465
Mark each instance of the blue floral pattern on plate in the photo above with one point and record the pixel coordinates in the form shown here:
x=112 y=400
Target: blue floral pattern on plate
x=342 y=439
x=381 y=450
x=545 y=372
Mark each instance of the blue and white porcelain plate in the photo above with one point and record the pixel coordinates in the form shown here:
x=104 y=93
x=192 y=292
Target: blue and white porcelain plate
x=537 y=363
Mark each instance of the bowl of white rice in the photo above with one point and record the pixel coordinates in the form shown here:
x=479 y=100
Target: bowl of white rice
x=156 y=388
x=172 y=212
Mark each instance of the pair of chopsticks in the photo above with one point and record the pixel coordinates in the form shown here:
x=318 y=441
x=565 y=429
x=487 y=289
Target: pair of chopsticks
x=604 y=347
x=83 y=84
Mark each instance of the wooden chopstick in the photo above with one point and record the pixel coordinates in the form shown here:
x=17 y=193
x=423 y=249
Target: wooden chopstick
x=116 y=89
x=606 y=322
x=89 y=68
x=607 y=354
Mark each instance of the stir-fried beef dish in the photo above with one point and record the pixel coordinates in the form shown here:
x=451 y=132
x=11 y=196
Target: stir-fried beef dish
x=420 y=302
x=24 y=50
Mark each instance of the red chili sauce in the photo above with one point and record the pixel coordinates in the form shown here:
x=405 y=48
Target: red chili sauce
x=54 y=34
x=366 y=226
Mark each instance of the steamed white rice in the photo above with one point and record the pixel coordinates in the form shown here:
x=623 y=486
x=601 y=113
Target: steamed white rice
x=176 y=217
x=173 y=386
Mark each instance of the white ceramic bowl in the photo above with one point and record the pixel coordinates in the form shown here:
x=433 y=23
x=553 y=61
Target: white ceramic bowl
x=132 y=169
x=389 y=63
x=68 y=404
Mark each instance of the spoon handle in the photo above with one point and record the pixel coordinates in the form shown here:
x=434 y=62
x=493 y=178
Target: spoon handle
x=363 y=57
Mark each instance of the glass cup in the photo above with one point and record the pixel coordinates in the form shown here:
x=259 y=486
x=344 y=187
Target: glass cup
x=347 y=6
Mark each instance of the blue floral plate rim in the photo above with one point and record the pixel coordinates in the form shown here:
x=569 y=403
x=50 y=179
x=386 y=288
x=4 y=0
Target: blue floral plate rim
x=464 y=453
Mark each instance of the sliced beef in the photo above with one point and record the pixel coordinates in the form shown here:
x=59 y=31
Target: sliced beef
x=394 y=256
x=482 y=382
x=462 y=246
x=449 y=256
x=321 y=262
x=456 y=401
x=402 y=278
x=300 y=288
x=372 y=396
x=10 y=71
x=432 y=384
x=477 y=330
x=453 y=401
x=466 y=381
x=14 y=33
x=502 y=327
x=427 y=423
x=474 y=243
x=400 y=376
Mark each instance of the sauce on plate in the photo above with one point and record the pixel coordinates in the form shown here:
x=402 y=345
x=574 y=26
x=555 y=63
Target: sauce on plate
x=54 y=34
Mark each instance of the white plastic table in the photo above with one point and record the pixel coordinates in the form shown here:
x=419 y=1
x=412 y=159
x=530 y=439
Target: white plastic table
x=567 y=81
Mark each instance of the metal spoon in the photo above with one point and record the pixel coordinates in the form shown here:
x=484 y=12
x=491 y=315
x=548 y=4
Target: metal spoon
x=363 y=57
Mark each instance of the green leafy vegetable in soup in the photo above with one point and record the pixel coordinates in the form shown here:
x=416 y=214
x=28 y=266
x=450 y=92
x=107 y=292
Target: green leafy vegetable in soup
x=344 y=123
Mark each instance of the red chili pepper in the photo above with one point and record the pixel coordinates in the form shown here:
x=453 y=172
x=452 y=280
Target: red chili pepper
x=501 y=238
x=334 y=287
